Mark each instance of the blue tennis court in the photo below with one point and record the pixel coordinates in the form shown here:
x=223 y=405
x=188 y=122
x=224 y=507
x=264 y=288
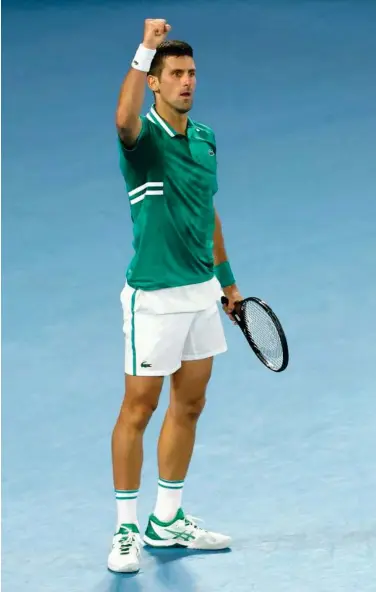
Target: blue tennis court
x=284 y=463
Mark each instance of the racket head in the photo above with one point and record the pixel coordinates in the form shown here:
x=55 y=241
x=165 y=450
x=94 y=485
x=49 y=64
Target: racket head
x=263 y=331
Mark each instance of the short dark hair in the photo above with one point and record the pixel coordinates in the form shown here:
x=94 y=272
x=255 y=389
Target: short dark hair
x=166 y=49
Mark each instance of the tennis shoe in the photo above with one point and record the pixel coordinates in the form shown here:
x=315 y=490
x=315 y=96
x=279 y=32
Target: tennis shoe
x=183 y=531
x=126 y=549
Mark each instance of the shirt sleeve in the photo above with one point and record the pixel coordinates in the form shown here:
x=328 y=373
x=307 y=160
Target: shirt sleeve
x=143 y=142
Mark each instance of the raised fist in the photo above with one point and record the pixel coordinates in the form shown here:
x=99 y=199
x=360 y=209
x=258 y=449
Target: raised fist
x=155 y=31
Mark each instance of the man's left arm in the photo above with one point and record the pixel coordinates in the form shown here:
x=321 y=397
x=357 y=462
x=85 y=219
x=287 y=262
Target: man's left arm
x=222 y=268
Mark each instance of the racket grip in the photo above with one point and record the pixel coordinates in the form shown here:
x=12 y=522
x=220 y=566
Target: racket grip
x=234 y=313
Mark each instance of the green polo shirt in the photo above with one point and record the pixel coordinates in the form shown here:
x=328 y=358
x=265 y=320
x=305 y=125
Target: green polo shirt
x=171 y=179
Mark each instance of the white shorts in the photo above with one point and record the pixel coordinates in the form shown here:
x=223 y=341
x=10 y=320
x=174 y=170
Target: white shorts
x=156 y=344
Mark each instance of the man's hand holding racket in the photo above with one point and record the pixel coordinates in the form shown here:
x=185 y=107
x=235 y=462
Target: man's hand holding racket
x=232 y=295
x=260 y=326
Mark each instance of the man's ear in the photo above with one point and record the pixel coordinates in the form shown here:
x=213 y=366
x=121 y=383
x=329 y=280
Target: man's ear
x=153 y=83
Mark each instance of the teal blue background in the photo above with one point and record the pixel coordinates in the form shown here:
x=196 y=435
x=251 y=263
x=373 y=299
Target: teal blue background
x=290 y=90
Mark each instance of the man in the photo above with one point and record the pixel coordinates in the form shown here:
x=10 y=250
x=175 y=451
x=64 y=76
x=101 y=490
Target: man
x=172 y=323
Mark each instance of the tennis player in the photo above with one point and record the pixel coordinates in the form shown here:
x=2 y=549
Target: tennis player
x=173 y=284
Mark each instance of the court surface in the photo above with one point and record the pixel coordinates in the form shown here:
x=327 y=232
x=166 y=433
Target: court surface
x=285 y=463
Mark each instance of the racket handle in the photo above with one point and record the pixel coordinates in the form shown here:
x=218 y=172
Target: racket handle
x=234 y=313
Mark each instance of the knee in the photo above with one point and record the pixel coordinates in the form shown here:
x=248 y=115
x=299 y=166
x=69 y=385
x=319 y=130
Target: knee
x=136 y=413
x=189 y=410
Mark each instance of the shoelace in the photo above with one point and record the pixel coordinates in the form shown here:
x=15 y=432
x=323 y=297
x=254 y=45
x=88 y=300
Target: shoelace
x=190 y=522
x=126 y=542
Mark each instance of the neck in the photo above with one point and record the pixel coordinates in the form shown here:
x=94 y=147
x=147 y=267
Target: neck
x=178 y=121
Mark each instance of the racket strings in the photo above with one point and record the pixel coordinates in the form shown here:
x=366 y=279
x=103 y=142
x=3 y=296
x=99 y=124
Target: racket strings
x=263 y=333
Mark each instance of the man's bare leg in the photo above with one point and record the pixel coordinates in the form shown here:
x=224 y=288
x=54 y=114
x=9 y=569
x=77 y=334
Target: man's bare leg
x=140 y=400
x=169 y=525
x=176 y=441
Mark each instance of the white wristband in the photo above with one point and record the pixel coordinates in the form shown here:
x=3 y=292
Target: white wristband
x=143 y=58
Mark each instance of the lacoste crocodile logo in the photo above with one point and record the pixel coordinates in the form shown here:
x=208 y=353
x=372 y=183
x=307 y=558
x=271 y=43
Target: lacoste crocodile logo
x=145 y=365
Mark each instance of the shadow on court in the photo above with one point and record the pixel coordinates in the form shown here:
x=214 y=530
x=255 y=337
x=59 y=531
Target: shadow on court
x=123 y=583
x=170 y=569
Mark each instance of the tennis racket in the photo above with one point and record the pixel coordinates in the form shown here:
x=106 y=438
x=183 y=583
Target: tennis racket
x=263 y=332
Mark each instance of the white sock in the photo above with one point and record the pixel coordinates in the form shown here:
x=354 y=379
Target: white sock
x=126 y=501
x=169 y=498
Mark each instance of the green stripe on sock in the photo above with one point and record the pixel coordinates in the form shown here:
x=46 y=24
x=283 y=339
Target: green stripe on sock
x=171 y=484
x=129 y=497
x=126 y=495
x=166 y=481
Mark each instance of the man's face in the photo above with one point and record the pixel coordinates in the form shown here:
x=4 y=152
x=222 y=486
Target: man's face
x=177 y=83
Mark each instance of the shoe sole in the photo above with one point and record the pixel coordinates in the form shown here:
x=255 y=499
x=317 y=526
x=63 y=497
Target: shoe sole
x=132 y=568
x=173 y=543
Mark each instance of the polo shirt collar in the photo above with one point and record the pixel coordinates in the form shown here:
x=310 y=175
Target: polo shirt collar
x=157 y=120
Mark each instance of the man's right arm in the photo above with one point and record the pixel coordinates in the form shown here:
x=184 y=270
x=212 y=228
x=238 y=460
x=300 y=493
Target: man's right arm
x=130 y=103
x=132 y=91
